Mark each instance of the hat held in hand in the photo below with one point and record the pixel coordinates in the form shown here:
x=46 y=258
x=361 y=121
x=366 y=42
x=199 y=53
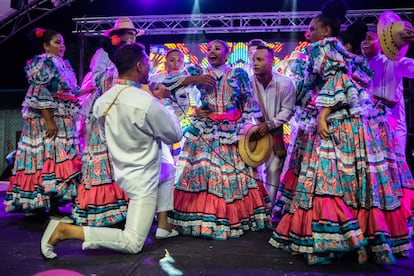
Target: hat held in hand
x=123 y=23
x=253 y=148
x=394 y=34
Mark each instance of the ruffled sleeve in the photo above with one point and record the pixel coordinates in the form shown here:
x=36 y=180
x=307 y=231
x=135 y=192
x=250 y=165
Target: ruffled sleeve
x=302 y=79
x=246 y=102
x=43 y=78
x=173 y=82
x=195 y=71
x=105 y=80
x=361 y=72
x=99 y=62
x=332 y=63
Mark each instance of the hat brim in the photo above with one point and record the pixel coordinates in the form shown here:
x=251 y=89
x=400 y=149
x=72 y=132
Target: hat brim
x=261 y=153
x=385 y=29
x=109 y=32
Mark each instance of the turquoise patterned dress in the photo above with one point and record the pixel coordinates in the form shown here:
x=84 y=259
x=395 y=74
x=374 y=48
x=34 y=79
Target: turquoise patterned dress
x=217 y=195
x=46 y=170
x=384 y=127
x=99 y=201
x=339 y=193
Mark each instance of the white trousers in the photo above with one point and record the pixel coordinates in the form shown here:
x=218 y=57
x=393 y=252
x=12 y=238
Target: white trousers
x=165 y=188
x=138 y=223
x=140 y=215
x=270 y=174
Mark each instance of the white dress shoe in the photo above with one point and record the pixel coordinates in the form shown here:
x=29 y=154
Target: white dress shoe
x=164 y=234
x=45 y=248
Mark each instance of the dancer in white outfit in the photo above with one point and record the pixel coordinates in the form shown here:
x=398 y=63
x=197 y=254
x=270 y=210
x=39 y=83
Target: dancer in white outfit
x=387 y=83
x=134 y=124
x=276 y=95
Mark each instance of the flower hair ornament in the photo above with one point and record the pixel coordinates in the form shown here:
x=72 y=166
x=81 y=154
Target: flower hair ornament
x=39 y=32
x=115 y=40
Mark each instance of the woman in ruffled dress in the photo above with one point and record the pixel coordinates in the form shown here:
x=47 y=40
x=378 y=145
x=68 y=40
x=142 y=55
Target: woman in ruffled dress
x=47 y=164
x=216 y=194
x=99 y=201
x=339 y=193
x=355 y=37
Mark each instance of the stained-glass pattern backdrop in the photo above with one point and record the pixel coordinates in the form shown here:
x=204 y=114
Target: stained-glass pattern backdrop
x=196 y=53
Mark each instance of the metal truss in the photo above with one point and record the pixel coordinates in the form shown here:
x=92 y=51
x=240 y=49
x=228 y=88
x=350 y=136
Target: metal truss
x=225 y=22
x=34 y=11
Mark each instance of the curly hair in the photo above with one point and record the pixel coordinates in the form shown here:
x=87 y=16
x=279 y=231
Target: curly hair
x=333 y=15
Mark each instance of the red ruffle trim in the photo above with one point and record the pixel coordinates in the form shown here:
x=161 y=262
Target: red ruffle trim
x=209 y=204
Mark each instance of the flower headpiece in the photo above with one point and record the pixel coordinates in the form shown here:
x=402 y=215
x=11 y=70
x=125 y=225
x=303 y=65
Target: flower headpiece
x=115 y=40
x=39 y=32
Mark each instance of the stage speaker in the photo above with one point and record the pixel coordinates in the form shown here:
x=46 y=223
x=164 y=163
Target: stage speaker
x=18 y=4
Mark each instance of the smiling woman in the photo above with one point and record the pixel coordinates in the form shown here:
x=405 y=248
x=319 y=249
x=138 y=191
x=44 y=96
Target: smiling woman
x=216 y=194
x=327 y=209
x=47 y=162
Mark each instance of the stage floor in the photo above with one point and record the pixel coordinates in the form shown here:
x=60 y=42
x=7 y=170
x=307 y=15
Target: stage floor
x=249 y=255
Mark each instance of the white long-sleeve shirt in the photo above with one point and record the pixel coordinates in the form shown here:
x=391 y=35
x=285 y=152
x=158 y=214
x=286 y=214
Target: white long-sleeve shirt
x=100 y=61
x=278 y=97
x=387 y=83
x=133 y=129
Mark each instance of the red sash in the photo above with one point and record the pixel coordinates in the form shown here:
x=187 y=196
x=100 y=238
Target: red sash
x=230 y=116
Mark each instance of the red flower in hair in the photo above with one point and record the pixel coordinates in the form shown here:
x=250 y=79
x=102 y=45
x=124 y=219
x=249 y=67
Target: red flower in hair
x=115 y=40
x=39 y=33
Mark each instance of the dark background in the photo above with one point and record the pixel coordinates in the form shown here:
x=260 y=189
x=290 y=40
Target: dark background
x=16 y=50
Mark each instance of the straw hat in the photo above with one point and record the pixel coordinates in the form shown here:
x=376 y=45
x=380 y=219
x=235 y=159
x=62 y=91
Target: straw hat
x=391 y=33
x=252 y=150
x=124 y=23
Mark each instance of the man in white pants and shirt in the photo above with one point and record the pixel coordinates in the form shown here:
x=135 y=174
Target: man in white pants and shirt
x=387 y=83
x=134 y=125
x=276 y=96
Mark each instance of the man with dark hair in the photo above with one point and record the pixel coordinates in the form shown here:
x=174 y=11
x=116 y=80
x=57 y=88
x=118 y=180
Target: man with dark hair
x=387 y=83
x=133 y=124
x=251 y=48
x=276 y=96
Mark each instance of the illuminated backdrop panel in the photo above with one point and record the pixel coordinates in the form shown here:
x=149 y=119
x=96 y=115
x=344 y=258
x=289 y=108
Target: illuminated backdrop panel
x=196 y=53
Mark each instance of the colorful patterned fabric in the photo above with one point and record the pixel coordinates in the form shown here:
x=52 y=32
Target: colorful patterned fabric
x=100 y=200
x=46 y=169
x=341 y=193
x=216 y=194
x=384 y=126
x=183 y=101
